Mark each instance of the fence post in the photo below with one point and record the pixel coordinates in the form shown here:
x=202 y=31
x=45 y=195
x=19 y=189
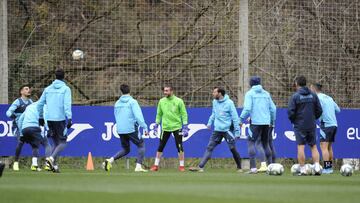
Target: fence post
x=243 y=50
x=3 y=53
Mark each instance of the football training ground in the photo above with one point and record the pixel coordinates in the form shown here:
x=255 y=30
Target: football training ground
x=168 y=185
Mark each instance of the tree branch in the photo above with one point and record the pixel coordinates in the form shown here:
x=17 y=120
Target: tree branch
x=82 y=93
x=211 y=81
x=88 y=23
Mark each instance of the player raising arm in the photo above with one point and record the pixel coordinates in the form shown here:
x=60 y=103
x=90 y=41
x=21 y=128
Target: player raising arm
x=14 y=112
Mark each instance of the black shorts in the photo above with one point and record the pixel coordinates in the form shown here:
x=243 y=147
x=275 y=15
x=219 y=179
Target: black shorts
x=258 y=131
x=327 y=134
x=304 y=137
x=57 y=130
x=133 y=137
x=32 y=136
x=217 y=137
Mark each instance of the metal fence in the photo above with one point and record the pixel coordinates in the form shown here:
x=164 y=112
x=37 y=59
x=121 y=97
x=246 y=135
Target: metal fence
x=192 y=45
x=315 y=38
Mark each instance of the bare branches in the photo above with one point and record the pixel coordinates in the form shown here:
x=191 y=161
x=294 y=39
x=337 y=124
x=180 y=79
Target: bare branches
x=181 y=38
x=32 y=32
x=168 y=41
x=260 y=52
x=87 y=24
x=78 y=89
x=209 y=82
x=347 y=49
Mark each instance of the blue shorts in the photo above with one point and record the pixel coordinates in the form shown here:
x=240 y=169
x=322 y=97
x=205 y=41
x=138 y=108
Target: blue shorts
x=32 y=136
x=327 y=134
x=305 y=137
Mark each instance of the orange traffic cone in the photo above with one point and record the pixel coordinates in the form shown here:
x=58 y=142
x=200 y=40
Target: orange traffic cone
x=89 y=164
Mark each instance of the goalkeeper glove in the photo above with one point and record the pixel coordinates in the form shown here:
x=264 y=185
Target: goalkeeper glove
x=185 y=131
x=156 y=128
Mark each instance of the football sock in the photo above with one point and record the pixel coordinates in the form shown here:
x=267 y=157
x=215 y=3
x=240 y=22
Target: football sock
x=138 y=165
x=34 y=161
x=327 y=164
x=157 y=161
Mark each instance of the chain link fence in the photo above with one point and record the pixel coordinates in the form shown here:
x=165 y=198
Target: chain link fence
x=316 y=38
x=192 y=45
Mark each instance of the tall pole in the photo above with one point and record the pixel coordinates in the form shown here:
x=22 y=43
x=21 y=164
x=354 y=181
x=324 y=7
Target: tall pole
x=3 y=53
x=243 y=50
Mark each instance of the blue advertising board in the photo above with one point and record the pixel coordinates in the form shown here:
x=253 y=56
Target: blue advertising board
x=94 y=131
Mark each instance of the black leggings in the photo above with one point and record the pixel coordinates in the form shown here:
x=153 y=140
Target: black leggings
x=165 y=137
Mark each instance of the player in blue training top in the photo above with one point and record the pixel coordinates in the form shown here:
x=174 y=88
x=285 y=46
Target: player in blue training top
x=225 y=119
x=262 y=110
x=14 y=112
x=57 y=98
x=328 y=126
x=128 y=118
x=30 y=132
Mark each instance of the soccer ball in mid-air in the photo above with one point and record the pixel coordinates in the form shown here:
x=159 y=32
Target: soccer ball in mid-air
x=77 y=54
x=275 y=169
x=346 y=170
x=295 y=169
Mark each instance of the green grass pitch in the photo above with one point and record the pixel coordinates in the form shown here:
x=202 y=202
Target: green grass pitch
x=168 y=185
